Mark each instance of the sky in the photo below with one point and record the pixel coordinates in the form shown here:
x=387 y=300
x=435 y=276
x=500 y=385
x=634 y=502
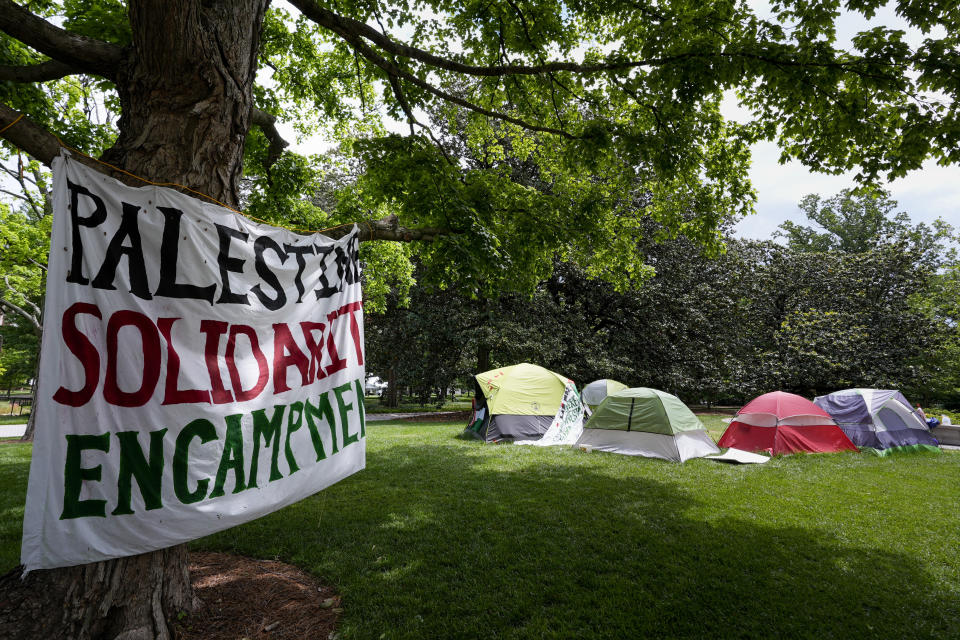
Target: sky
x=927 y=194
x=930 y=193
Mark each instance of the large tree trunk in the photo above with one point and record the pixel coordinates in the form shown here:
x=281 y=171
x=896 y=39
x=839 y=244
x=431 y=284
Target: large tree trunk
x=127 y=599
x=186 y=93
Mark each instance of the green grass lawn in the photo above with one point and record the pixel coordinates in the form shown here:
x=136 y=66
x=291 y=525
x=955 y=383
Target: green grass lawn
x=442 y=537
x=372 y=405
x=714 y=423
x=14 y=464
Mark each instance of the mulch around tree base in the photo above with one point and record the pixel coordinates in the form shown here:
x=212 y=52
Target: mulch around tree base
x=256 y=599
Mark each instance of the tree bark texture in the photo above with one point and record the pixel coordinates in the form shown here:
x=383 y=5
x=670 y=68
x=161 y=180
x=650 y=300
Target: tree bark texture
x=131 y=598
x=393 y=391
x=186 y=92
x=483 y=357
x=185 y=86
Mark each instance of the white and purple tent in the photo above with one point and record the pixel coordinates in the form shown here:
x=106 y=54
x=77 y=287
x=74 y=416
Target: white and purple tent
x=879 y=419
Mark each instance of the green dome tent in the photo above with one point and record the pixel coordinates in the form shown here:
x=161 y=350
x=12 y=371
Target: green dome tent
x=647 y=422
x=518 y=402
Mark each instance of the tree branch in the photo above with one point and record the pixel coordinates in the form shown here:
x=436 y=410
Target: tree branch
x=342 y=26
x=402 y=100
x=37 y=141
x=540 y=58
x=49 y=70
x=36 y=309
x=268 y=124
x=392 y=69
x=388 y=229
x=27 y=135
x=349 y=28
x=22 y=181
x=25 y=191
x=16 y=174
x=85 y=54
x=18 y=196
x=20 y=311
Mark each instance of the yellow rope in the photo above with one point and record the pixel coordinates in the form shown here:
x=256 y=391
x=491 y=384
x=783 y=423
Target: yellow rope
x=12 y=123
x=185 y=188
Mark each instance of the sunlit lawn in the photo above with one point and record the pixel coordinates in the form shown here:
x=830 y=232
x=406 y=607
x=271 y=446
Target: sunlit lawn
x=715 y=423
x=443 y=537
x=373 y=404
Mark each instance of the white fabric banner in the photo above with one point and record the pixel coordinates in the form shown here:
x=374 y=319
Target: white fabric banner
x=198 y=370
x=567 y=425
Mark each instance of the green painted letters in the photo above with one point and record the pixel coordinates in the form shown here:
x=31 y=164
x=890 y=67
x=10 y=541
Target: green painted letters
x=74 y=475
x=231 y=458
x=348 y=438
x=204 y=430
x=133 y=464
x=324 y=411
x=292 y=425
x=361 y=408
x=269 y=432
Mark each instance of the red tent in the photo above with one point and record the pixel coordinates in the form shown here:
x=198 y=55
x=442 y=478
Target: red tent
x=781 y=423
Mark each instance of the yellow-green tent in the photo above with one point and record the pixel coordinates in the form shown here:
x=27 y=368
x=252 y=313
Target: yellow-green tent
x=519 y=402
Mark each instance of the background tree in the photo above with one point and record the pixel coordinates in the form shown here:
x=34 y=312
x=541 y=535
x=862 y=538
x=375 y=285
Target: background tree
x=420 y=343
x=871 y=268
x=18 y=359
x=850 y=321
x=760 y=316
x=857 y=221
x=940 y=301
x=24 y=245
x=642 y=103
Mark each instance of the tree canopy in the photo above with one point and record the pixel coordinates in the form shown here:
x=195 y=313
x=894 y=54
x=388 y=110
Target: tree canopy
x=599 y=100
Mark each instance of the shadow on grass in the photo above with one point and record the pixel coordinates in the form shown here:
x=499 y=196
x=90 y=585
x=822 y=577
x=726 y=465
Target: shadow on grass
x=454 y=538
x=462 y=540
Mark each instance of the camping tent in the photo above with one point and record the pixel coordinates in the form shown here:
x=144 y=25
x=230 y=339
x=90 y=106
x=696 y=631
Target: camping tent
x=595 y=392
x=781 y=423
x=518 y=402
x=879 y=419
x=647 y=422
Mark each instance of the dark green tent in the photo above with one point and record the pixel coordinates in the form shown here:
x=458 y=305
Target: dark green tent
x=647 y=422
